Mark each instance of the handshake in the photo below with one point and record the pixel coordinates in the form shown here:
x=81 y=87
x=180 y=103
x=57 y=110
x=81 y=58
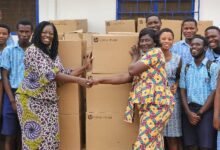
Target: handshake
x=88 y=83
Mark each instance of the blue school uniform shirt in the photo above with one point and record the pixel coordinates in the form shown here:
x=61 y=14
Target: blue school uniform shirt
x=0 y=63
x=196 y=81
x=211 y=55
x=13 y=61
x=10 y=42
x=183 y=50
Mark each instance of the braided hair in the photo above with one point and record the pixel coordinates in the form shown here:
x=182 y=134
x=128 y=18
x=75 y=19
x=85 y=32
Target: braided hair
x=52 y=51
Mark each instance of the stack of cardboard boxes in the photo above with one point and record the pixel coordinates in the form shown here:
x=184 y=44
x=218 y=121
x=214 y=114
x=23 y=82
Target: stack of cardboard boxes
x=120 y=26
x=70 y=102
x=105 y=128
x=71 y=52
x=64 y=26
x=105 y=104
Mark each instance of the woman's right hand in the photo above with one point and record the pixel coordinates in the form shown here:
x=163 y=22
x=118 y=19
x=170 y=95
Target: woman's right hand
x=94 y=81
x=85 y=82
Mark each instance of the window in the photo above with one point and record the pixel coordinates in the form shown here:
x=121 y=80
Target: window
x=166 y=9
x=11 y=11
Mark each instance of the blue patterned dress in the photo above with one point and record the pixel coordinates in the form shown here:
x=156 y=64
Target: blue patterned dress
x=174 y=128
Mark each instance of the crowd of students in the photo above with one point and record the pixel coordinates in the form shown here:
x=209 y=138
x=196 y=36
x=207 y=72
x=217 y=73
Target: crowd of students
x=175 y=86
x=196 y=114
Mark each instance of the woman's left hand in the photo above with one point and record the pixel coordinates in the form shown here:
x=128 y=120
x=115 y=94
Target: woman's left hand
x=173 y=88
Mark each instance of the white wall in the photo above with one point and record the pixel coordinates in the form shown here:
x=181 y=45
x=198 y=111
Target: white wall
x=209 y=10
x=47 y=10
x=98 y=11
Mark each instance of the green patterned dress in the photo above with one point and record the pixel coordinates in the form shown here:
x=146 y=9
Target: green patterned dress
x=37 y=101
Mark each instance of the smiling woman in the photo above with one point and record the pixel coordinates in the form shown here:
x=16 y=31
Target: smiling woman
x=36 y=98
x=47 y=35
x=150 y=92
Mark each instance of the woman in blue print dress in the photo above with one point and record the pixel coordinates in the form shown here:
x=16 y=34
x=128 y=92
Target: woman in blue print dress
x=173 y=130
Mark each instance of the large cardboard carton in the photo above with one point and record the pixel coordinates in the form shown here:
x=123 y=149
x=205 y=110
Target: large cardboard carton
x=120 y=26
x=70 y=132
x=123 y=33
x=69 y=99
x=108 y=131
x=71 y=53
x=202 y=25
x=80 y=36
x=111 y=53
x=141 y=24
x=107 y=98
x=72 y=36
x=175 y=25
x=88 y=38
x=60 y=36
x=64 y=26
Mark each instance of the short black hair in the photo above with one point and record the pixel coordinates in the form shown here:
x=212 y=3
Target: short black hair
x=205 y=42
x=150 y=32
x=24 y=22
x=165 y=30
x=212 y=27
x=153 y=15
x=36 y=40
x=189 y=20
x=2 y=25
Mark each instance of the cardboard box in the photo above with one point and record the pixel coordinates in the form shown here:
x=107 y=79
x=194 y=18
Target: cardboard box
x=107 y=97
x=120 y=26
x=64 y=26
x=123 y=33
x=202 y=25
x=71 y=53
x=69 y=99
x=111 y=53
x=70 y=132
x=108 y=131
x=88 y=38
x=72 y=36
x=80 y=36
x=175 y=25
x=141 y=24
x=60 y=36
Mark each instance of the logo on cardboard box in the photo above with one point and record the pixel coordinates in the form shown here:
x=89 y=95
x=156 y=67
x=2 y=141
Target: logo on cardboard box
x=141 y=21
x=90 y=117
x=96 y=39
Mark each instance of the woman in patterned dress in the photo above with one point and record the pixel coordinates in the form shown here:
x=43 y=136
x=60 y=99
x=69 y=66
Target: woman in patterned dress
x=173 y=129
x=150 y=92
x=36 y=98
